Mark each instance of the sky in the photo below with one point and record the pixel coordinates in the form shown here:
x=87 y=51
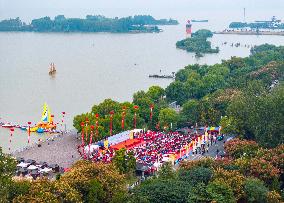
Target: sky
x=30 y=9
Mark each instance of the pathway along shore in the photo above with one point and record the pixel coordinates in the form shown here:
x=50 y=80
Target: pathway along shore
x=61 y=150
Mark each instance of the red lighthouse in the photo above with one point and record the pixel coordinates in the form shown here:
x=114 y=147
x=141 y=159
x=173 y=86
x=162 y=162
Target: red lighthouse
x=188 y=29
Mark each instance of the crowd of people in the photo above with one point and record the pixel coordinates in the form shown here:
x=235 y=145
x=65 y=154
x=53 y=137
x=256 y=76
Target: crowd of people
x=157 y=147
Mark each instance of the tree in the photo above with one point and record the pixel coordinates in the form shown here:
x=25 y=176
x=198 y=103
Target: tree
x=96 y=193
x=7 y=169
x=125 y=162
x=166 y=172
x=162 y=191
x=44 y=190
x=203 y=33
x=196 y=175
x=18 y=188
x=168 y=117
x=155 y=93
x=220 y=192
x=233 y=179
x=198 y=194
x=255 y=190
x=190 y=112
x=176 y=92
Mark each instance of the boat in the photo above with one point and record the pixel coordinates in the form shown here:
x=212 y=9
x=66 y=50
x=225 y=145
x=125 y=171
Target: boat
x=162 y=76
x=40 y=130
x=52 y=69
x=32 y=129
x=199 y=21
x=46 y=122
x=23 y=127
x=7 y=125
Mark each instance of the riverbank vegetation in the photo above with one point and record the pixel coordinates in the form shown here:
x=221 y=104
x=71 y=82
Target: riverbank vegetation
x=198 y=43
x=92 y=23
x=243 y=95
x=230 y=93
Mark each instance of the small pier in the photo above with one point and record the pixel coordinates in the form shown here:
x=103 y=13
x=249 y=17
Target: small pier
x=172 y=76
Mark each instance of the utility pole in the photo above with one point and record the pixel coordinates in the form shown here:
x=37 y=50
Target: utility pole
x=244 y=15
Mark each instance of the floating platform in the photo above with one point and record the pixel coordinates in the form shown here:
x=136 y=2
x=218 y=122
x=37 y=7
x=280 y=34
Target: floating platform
x=162 y=76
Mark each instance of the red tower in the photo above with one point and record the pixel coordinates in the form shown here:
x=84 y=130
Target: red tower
x=188 y=29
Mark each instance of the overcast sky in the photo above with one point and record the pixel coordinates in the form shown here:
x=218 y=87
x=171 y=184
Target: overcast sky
x=29 y=9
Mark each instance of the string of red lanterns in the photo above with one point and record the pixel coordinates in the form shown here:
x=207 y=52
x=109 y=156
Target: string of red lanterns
x=135 y=119
x=123 y=117
x=62 y=121
x=97 y=125
x=110 y=124
x=29 y=133
x=11 y=135
x=91 y=137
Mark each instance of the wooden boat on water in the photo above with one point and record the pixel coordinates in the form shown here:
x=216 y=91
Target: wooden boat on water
x=162 y=76
x=52 y=69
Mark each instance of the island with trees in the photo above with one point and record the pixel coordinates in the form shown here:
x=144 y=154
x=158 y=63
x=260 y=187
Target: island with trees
x=198 y=43
x=92 y=23
x=243 y=95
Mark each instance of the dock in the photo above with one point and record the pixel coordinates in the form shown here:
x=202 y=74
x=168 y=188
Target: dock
x=279 y=33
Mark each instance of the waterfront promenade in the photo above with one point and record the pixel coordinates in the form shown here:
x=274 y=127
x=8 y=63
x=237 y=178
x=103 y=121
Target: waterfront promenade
x=59 y=149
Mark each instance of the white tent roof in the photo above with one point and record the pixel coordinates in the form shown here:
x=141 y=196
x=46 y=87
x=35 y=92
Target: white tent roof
x=136 y=130
x=32 y=167
x=45 y=170
x=22 y=164
x=91 y=148
x=165 y=159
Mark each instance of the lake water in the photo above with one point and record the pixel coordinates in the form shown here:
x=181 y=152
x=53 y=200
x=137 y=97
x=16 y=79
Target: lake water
x=91 y=68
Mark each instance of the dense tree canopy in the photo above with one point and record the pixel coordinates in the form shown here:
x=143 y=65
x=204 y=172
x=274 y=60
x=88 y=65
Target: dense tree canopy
x=198 y=43
x=96 y=23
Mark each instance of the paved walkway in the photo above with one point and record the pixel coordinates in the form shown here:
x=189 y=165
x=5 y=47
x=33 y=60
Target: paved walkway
x=62 y=151
x=212 y=151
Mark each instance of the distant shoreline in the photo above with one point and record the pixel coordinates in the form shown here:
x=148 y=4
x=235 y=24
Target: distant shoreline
x=90 y=24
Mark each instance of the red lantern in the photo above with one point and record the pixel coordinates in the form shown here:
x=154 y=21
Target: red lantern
x=62 y=121
x=97 y=124
x=29 y=133
x=158 y=126
x=135 y=109
x=82 y=131
x=151 y=111
x=91 y=137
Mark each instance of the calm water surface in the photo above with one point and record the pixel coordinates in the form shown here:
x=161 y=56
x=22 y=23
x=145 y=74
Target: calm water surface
x=91 y=68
